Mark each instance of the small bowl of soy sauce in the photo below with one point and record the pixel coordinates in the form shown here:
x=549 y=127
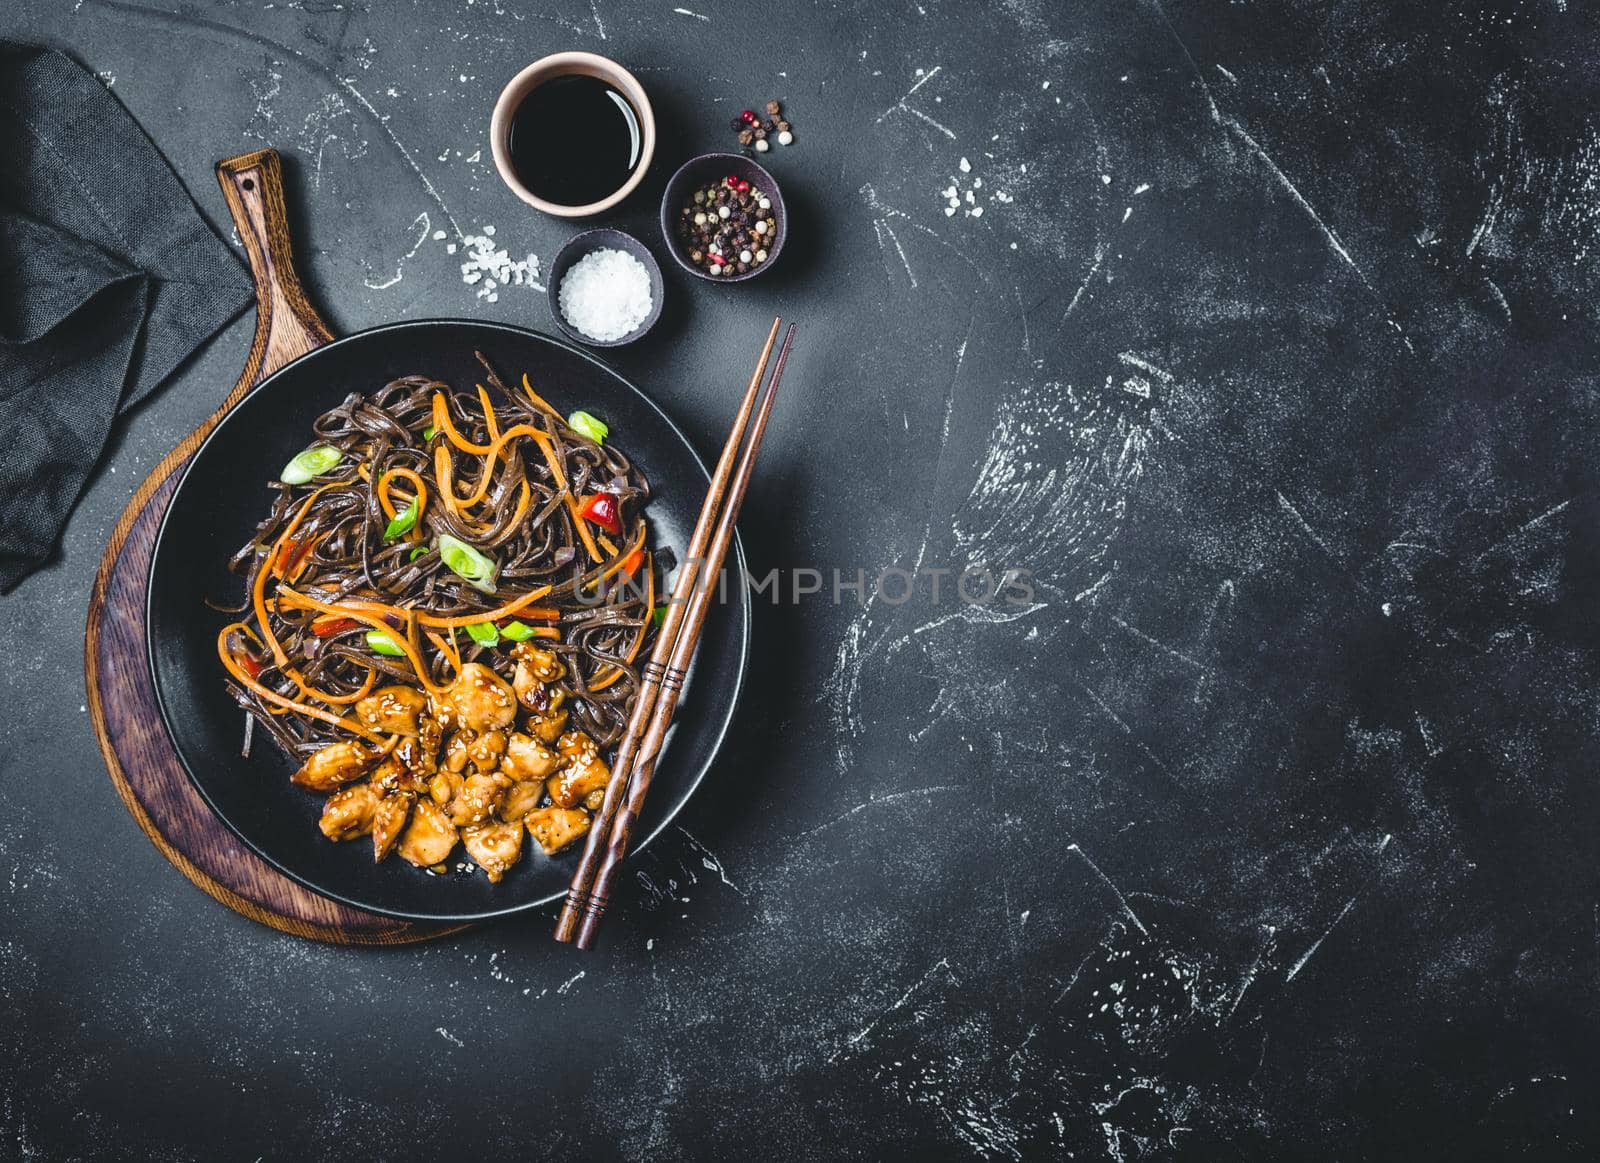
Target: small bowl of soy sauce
x=573 y=134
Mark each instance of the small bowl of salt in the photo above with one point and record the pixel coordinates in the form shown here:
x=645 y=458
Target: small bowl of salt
x=605 y=288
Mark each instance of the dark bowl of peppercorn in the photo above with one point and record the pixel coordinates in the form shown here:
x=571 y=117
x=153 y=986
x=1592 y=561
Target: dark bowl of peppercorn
x=723 y=218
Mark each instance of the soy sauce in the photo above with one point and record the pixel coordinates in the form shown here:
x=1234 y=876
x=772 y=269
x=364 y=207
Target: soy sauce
x=574 y=140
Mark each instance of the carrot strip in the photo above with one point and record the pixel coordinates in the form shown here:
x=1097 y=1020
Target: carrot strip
x=312 y=692
x=443 y=423
x=495 y=615
x=419 y=486
x=538 y=400
x=493 y=454
x=650 y=604
x=272 y=696
x=407 y=644
x=488 y=415
x=258 y=591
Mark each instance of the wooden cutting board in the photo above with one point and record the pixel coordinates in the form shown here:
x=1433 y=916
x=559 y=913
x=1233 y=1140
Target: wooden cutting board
x=144 y=767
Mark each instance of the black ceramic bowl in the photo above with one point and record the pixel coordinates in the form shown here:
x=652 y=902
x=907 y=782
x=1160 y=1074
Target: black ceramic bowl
x=224 y=493
x=707 y=170
x=603 y=239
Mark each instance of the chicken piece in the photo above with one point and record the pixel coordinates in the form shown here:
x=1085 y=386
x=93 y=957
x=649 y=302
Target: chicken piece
x=494 y=847
x=392 y=709
x=445 y=786
x=348 y=813
x=388 y=820
x=458 y=751
x=429 y=838
x=582 y=771
x=485 y=751
x=520 y=799
x=480 y=699
x=392 y=776
x=535 y=667
x=527 y=758
x=541 y=662
x=554 y=828
x=418 y=757
x=547 y=725
x=334 y=766
x=479 y=794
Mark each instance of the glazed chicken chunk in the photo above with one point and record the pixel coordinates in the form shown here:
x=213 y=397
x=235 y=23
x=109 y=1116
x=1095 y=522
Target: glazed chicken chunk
x=582 y=771
x=431 y=836
x=392 y=709
x=527 y=758
x=348 y=813
x=390 y=817
x=477 y=797
x=480 y=700
x=520 y=799
x=554 y=828
x=334 y=766
x=494 y=847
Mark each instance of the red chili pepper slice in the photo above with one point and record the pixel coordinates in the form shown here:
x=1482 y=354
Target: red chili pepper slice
x=251 y=665
x=326 y=627
x=291 y=555
x=602 y=509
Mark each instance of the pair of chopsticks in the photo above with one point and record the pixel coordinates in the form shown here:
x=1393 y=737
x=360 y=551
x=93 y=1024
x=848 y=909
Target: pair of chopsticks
x=662 y=678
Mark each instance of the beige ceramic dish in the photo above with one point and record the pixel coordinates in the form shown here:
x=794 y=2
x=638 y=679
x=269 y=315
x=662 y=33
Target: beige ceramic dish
x=564 y=64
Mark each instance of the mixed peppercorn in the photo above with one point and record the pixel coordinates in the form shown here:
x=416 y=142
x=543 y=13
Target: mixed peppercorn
x=757 y=133
x=727 y=228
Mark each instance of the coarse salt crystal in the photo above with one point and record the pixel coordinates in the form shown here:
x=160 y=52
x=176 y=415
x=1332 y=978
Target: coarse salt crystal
x=606 y=294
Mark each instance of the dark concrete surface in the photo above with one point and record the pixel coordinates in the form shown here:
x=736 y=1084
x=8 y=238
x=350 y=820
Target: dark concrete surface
x=1266 y=829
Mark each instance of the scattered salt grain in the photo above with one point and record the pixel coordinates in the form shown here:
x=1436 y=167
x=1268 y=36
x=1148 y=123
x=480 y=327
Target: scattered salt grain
x=606 y=294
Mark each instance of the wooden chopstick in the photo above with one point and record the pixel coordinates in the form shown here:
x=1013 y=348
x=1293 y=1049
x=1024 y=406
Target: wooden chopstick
x=671 y=678
x=660 y=655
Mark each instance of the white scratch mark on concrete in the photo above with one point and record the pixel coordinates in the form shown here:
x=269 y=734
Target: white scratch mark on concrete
x=1521 y=529
x=400 y=267
x=856 y=1038
x=1106 y=880
x=572 y=981
x=1344 y=912
x=1287 y=507
x=878 y=801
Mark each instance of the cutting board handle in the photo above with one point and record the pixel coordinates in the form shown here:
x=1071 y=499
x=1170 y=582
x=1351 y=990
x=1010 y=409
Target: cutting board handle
x=287 y=326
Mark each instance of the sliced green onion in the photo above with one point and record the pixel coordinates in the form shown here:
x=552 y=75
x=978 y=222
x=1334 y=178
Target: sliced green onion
x=380 y=643
x=475 y=568
x=429 y=432
x=658 y=616
x=419 y=551
x=586 y=424
x=516 y=631
x=404 y=521
x=314 y=461
x=483 y=633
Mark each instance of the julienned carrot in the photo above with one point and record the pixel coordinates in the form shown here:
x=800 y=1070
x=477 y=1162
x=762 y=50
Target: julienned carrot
x=488 y=415
x=616 y=672
x=232 y=665
x=420 y=487
x=406 y=643
x=443 y=423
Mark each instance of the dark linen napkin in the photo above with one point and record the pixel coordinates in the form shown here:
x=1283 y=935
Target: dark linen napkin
x=109 y=279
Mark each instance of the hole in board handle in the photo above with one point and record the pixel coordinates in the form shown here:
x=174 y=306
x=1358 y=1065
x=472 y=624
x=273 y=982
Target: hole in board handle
x=248 y=184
